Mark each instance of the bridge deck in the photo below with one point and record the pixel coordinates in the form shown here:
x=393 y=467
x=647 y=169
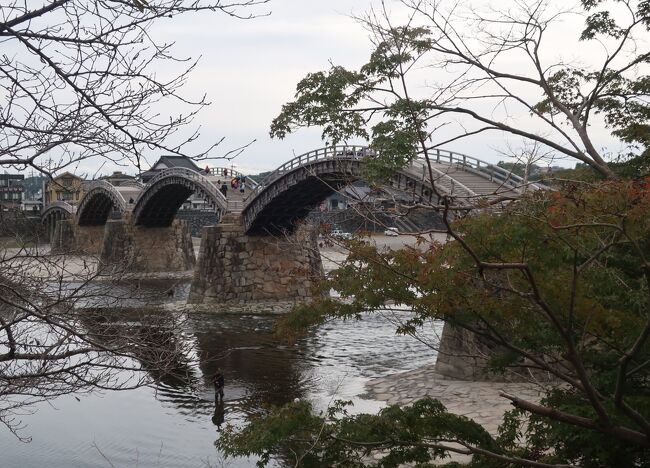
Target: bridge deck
x=459 y=180
x=293 y=188
x=235 y=198
x=235 y=201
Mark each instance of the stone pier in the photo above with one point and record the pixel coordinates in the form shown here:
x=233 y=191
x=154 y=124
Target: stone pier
x=235 y=268
x=70 y=238
x=139 y=249
x=464 y=355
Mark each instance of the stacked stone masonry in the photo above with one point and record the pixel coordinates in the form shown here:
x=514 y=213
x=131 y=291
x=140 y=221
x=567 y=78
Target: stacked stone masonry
x=235 y=268
x=71 y=238
x=464 y=355
x=133 y=248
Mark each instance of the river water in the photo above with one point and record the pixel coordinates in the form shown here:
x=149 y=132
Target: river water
x=175 y=423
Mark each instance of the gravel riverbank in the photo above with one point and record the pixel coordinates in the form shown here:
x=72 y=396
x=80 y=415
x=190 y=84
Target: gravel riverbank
x=479 y=401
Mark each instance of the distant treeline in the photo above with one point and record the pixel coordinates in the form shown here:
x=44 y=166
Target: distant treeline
x=32 y=186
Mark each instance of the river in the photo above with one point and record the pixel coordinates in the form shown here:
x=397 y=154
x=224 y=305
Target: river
x=175 y=423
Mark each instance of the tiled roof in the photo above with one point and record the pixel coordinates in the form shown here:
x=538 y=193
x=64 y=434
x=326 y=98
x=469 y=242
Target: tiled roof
x=178 y=161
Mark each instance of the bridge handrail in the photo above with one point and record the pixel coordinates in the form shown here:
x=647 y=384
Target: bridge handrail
x=93 y=184
x=453 y=181
x=72 y=209
x=482 y=168
x=320 y=154
x=218 y=172
x=488 y=170
x=190 y=174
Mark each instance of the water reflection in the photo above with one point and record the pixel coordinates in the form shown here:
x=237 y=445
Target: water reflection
x=219 y=413
x=155 y=338
x=256 y=366
x=175 y=422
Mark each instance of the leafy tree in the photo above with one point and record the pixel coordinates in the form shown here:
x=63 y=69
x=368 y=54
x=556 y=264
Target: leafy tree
x=561 y=98
x=556 y=283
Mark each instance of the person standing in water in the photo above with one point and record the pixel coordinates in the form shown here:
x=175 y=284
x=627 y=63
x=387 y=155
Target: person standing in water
x=219 y=383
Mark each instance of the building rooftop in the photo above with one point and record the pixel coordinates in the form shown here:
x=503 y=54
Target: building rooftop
x=177 y=161
x=169 y=161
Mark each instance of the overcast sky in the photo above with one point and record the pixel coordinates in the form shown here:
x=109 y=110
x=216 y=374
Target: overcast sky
x=248 y=69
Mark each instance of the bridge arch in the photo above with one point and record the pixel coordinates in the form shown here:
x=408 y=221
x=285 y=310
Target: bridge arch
x=55 y=212
x=295 y=188
x=168 y=190
x=103 y=199
x=63 y=209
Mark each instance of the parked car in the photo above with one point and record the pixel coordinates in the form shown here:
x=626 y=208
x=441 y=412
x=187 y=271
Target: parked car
x=391 y=231
x=339 y=234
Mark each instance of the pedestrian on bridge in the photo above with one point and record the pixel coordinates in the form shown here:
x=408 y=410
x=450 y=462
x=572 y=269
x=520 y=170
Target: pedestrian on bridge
x=224 y=190
x=242 y=187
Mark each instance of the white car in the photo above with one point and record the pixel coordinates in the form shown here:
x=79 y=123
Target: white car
x=391 y=231
x=341 y=234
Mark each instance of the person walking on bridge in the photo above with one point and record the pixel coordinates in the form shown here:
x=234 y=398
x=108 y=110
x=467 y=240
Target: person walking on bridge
x=224 y=190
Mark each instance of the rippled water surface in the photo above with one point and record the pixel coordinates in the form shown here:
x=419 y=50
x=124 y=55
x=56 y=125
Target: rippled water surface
x=175 y=424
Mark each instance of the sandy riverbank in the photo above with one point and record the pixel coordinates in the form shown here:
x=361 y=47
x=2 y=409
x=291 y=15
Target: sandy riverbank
x=335 y=254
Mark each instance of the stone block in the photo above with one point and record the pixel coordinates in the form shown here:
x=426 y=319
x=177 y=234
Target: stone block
x=142 y=249
x=261 y=268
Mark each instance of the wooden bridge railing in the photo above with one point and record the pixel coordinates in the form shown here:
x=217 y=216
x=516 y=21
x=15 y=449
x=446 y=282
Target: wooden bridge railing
x=230 y=173
x=487 y=170
x=72 y=209
x=471 y=164
x=189 y=174
x=331 y=152
x=117 y=197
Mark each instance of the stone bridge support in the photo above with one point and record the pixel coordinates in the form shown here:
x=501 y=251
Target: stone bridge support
x=68 y=237
x=462 y=355
x=139 y=249
x=465 y=355
x=234 y=267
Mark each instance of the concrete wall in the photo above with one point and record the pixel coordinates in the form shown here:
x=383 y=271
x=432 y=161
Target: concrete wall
x=140 y=249
x=21 y=225
x=234 y=267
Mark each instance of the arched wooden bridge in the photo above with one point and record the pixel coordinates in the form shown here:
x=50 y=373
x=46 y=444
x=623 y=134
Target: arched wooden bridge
x=291 y=191
x=287 y=194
